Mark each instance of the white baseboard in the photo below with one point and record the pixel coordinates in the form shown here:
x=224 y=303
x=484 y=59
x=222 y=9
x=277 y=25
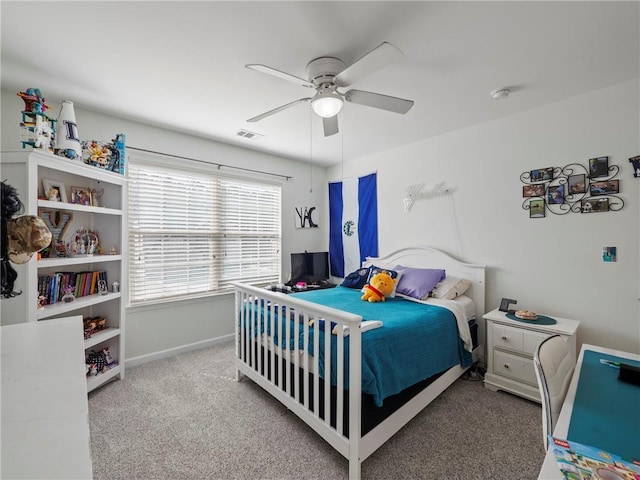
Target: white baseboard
x=171 y=352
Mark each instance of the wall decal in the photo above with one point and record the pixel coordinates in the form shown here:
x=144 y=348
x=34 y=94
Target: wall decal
x=415 y=192
x=306 y=217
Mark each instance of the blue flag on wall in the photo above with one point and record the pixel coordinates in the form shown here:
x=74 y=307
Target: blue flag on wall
x=353 y=223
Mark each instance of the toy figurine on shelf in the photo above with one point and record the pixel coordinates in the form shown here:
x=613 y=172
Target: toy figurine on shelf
x=36 y=128
x=117 y=154
x=96 y=154
x=34 y=102
x=41 y=302
x=68 y=142
x=68 y=296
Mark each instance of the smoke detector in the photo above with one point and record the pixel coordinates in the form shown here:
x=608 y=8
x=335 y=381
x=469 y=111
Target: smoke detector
x=500 y=94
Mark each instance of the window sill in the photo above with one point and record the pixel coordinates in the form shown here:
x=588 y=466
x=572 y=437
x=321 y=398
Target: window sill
x=178 y=302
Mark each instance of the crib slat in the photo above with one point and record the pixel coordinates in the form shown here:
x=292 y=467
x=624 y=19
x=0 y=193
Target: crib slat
x=296 y=357
x=305 y=349
x=271 y=343
x=327 y=371
x=285 y=350
x=316 y=377
x=340 y=380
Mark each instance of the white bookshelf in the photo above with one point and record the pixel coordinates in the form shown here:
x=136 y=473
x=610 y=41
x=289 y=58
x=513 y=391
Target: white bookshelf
x=26 y=171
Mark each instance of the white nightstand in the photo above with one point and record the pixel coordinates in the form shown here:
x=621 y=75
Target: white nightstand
x=510 y=348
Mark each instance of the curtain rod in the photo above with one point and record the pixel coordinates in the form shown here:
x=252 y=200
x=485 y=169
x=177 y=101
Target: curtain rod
x=286 y=177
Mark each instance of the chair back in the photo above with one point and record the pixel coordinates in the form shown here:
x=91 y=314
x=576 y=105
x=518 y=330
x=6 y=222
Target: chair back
x=554 y=363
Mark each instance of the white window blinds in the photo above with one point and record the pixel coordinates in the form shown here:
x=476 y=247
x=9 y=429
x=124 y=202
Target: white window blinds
x=193 y=233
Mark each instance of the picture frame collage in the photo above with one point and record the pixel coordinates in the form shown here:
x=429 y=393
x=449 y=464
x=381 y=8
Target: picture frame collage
x=572 y=188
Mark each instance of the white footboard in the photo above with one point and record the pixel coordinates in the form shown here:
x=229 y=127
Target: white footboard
x=272 y=342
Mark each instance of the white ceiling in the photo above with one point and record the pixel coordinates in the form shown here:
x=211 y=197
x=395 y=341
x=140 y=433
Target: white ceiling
x=180 y=65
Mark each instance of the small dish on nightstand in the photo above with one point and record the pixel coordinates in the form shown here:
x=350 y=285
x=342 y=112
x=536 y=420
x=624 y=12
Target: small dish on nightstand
x=526 y=315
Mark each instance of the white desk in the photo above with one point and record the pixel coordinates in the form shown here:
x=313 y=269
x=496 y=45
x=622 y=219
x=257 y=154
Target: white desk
x=549 y=470
x=44 y=413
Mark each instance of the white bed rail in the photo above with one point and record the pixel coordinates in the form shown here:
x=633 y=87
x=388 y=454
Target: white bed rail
x=284 y=368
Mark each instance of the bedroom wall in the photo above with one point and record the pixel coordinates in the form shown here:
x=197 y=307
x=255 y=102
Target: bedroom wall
x=152 y=332
x=551 y=265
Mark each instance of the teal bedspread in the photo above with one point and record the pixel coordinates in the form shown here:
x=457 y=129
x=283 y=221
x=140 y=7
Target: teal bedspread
x=415 y=342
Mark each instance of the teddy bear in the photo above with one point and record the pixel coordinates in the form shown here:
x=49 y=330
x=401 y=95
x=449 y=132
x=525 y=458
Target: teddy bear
x=380 y=285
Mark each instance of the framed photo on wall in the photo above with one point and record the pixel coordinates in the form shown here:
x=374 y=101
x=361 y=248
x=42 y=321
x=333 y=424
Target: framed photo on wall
x=594 y=205
x=577 y=183
x=534 y=190
x=598 y=167
x=536 y=208
x=555 y=195
x=541 y=174
x=604 y=188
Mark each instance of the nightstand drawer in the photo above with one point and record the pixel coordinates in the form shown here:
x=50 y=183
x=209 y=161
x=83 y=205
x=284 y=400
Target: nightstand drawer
x=513 y=366
x=508 y=338
x=517 y=339
x=532 y=340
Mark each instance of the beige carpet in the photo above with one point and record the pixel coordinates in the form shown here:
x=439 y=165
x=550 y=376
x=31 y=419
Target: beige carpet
x=186 y=418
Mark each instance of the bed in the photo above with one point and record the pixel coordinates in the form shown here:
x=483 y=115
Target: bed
x=357 y=372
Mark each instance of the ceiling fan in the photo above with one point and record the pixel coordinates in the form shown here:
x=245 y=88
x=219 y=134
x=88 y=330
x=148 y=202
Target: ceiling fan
x=327 y=74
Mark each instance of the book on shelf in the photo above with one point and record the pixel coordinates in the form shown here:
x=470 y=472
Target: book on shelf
x=53 y=286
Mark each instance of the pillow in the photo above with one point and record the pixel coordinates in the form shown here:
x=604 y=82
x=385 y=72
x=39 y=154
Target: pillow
x=392 y=273
x=356 y=279
x=418 y=282
x=451 y=287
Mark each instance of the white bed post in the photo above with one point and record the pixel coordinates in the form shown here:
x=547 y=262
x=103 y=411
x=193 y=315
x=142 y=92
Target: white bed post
x=355 y=400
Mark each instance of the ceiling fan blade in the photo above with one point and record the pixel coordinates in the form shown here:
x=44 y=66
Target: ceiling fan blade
x=279 y=109
x=330 y=125
x=376 y=100
x=279 y=74
x=379 y=57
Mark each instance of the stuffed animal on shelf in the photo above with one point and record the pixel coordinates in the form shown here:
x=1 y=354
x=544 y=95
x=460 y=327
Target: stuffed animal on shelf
x=379 y=287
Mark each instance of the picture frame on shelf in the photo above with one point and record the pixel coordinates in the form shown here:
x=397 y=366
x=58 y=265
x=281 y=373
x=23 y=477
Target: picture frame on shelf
x=81 y=196
x=577 y=183
x=54 y=190
x=536 y=208
x=598 y=167
x=604 y=188
x=533 y=190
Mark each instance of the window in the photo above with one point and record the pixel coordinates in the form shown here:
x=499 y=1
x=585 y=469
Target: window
x=192 y=233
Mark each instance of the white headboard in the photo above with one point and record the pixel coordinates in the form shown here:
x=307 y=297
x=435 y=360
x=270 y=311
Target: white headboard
x=429 y=257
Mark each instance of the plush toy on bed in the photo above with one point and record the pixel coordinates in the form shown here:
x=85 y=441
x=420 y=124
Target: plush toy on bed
x=380 y=286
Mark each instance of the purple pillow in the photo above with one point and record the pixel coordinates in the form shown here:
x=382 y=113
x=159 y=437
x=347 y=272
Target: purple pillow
x=418 y=282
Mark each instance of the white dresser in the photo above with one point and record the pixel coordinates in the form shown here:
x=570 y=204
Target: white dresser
x=510 y=348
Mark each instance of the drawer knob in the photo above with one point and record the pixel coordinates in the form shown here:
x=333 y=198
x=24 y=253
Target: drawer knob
x=504 y=337
x=506 y=366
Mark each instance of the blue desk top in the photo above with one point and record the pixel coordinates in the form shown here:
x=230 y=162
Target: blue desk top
x=606 y=411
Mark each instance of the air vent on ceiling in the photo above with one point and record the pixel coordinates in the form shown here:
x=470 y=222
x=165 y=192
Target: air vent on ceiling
x=249 y=135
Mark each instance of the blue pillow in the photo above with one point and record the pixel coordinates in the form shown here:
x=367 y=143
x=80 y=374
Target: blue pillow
x=418 y=282
x=357 y=279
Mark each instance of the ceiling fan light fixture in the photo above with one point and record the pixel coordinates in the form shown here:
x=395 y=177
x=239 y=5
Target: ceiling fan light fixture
x=327 y=103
